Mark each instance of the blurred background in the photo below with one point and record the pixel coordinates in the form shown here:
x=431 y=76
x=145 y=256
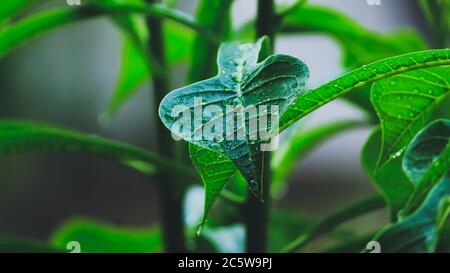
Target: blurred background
x=67 y=77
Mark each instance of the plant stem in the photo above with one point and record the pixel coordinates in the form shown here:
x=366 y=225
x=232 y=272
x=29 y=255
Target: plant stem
x=170 y=190
x=257 y=213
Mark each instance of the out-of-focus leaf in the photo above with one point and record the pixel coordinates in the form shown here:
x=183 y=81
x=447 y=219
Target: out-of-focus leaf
x=444 y=239
x=285 y=225
x=404 y=104
x=135 y=70
x=427 y=159
x=35 y=25
x=390 y=179
x=360 y=77
x=16 y=34
x=11 y=7
x=16 y=137
x=419 y=231
x=216 y=15
x=94 y=237
x=242 y=83
x=298 y=146
x=331 y=222
x=360 y=45
x=20 y=245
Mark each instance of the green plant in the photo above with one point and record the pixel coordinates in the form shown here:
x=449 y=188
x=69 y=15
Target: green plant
x=401 y=86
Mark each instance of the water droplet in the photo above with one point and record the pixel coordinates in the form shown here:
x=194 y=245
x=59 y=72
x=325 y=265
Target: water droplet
x=253 y=184
x=237 y=76
x=393 y=82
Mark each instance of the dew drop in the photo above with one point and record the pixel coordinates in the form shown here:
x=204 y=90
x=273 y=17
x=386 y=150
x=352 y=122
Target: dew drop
x=236 y=101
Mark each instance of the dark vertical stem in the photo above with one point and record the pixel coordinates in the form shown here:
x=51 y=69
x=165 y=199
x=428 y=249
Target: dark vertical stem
x=257 y=213
x=266 y=20
x=171 y=190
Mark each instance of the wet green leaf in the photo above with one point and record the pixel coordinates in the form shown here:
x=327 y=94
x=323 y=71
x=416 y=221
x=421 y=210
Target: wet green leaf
x=426 y=163
x=419 y=231
x=427 y=159
x=242 y=83
x=215 y=171
x=404 y=104
x=390 y=179
x=95 y=237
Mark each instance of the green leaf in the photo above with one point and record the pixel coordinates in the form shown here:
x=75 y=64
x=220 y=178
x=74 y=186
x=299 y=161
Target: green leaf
x=419 y=231
x=215 y=172
x=291 y=152
x=404 y=104
x=390 y=179
x=216 y=15
x=35 y=25
x=427 y=159
x=426 y=162
x=16 y=137
x=360 y=77
x=242 y=82
x=95 y=237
